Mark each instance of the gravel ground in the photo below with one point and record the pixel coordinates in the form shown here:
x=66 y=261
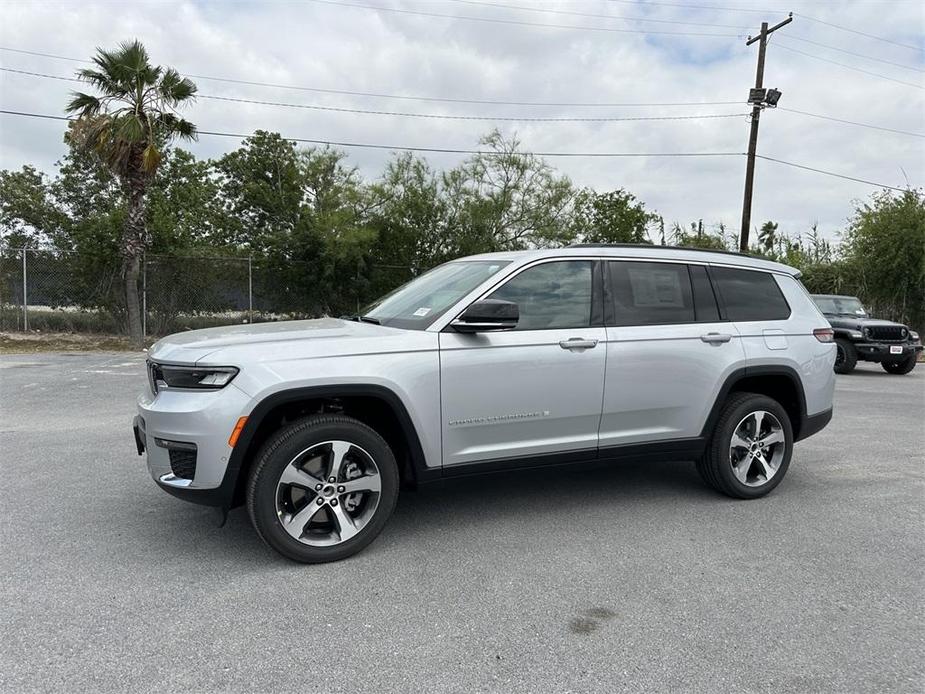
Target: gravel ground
x=626 y=578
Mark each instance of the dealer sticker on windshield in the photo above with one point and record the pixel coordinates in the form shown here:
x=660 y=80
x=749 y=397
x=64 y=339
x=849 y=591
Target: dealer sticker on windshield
x=896 y=349
x=423 y=311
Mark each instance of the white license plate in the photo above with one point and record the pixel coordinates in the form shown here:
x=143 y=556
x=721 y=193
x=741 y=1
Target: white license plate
x=896 y=349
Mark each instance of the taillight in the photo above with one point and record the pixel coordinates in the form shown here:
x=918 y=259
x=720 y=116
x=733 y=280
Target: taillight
x=824 y=334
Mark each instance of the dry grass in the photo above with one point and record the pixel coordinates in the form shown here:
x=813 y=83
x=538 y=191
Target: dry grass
x=32 y=342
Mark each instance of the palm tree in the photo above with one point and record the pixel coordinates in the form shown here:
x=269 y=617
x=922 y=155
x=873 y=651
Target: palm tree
x=128 y=126
x=768 y=235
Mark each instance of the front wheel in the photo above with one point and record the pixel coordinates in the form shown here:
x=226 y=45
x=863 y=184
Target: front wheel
x=322 y=488
x=846 y=357
x=749 y=452
x=900 y=367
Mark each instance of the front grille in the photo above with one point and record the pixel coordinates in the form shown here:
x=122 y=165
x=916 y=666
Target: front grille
x=183 y=463
x=887 y=333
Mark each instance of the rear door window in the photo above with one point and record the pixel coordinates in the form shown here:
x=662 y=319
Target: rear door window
x=651 y=293
x=749 y=295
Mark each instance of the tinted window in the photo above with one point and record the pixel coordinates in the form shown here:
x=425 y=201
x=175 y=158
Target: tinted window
x=551 y=295
x=651 y=293
x=749 y=294
x=704 y=300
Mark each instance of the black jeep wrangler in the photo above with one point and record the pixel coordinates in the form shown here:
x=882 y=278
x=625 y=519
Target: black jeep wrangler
x=858 y=336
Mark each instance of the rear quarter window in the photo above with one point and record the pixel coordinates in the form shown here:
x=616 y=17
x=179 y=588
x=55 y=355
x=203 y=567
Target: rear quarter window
x=749 y=295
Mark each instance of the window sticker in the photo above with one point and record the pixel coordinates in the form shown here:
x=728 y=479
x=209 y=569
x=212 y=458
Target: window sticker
x=421 y=312
x=655 y=287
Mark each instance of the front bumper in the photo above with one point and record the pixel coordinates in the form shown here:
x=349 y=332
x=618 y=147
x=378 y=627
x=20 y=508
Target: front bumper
x=880 y=351
x=190 y=421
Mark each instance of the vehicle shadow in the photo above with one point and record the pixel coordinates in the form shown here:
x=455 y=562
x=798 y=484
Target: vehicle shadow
x=437 y=511
x=497 y=496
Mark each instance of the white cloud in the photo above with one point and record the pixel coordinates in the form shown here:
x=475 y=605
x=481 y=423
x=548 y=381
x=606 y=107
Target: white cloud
x=320 y=45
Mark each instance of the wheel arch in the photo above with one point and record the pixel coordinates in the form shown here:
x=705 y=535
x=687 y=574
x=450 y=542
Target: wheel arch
x=778 y=381
x=375 y=405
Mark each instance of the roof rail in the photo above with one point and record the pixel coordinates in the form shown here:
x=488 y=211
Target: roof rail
x=652 y=245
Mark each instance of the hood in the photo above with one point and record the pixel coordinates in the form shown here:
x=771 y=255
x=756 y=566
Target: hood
x=326 y=335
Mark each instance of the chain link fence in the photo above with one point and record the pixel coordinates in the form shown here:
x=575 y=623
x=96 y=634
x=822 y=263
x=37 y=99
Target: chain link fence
x=64 y=291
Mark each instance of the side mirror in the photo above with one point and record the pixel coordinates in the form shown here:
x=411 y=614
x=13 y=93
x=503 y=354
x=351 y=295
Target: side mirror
x=486 y=316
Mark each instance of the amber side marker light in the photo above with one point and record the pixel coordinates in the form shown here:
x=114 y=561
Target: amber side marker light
x=824 y=334
x=236 y=432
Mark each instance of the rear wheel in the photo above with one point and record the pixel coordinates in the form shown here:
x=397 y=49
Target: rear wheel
x=846 y=357
x=750 y=449
x=900 y=367
x=322 y=489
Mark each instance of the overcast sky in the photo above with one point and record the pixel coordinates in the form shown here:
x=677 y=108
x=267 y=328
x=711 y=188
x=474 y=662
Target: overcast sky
x=355 y=48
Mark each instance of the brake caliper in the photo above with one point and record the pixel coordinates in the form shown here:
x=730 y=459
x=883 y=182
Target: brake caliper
x=351 y=472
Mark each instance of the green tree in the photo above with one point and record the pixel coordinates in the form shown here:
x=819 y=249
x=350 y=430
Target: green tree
x=128 y=125
x=767 y=236
x=884 y=248
x=612 y=217
x=185 y=213
x=505 y=199
x=697 y=237
x=28 y=216
x=261 y=185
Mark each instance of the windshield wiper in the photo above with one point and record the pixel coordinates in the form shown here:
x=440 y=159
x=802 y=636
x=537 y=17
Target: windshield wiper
x=369 y=319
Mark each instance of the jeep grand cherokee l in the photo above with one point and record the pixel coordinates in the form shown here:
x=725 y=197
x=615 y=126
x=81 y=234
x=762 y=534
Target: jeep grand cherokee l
x=488 y=363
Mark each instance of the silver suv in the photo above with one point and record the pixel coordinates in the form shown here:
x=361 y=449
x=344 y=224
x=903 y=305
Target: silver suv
x=487 y=363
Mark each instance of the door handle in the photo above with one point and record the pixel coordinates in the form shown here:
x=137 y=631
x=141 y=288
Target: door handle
x=715 y=338
x=577 y=343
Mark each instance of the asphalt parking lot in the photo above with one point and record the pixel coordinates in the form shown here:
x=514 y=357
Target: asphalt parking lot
x=625 y=578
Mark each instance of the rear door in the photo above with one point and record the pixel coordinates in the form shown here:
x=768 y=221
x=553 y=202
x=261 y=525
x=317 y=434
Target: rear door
x=668 y=352
x=536 y=390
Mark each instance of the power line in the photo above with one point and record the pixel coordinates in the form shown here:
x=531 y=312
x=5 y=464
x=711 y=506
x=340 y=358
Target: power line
x=518 y=22
x=525 y=119
x=498 y=118
x=441 y=116
x=696 y=7
x=379 y=95
x=442 y=150
x=849 y=67
x=851 y=122
x=857 y=55
x=593 y=15
x=753 y=10
x=831 y=173
x=859 y=33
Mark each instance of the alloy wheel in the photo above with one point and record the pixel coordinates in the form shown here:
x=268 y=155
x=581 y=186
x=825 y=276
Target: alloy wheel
x=328 y=493
x=757 y=448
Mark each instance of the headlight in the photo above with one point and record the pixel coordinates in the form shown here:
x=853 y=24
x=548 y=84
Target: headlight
x=914 y=335
x=855 y=335
x=190 y=377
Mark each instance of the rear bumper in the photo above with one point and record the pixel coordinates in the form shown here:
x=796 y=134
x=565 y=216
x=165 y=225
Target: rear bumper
x=813 y=424
x=880 y=351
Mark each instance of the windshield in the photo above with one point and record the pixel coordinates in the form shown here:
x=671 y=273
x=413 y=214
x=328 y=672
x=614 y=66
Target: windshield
x=421 y=301
x=840 y=305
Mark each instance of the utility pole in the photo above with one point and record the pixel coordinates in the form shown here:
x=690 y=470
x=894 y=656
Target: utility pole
x=759 y=97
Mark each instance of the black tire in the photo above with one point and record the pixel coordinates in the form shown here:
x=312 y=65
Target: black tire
x=716 y=467
x=846 y=357
x=284 y=447
x=900 y=367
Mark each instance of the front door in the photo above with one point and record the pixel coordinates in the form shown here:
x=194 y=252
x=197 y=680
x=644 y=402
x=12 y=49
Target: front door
x=534 y=390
